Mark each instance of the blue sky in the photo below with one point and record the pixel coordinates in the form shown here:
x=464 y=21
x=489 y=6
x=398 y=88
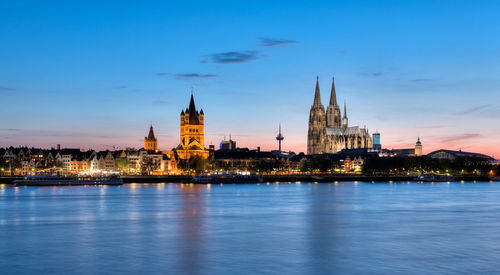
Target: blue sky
x=93 y=74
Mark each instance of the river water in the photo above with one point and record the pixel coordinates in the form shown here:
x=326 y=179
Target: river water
x=297 y=228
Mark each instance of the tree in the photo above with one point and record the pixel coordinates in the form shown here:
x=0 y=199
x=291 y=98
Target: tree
x=197 y=163
x=122 y=164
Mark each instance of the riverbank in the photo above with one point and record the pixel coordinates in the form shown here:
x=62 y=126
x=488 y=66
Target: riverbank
x=279 y=178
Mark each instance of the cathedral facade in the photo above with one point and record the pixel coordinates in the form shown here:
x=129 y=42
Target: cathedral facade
x=329 y=132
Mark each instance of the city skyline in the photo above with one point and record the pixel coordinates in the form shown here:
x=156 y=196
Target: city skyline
x=92 y=75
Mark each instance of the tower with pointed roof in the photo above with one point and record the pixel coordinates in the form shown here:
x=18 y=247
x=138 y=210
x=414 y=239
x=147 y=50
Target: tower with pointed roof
x=317 y=124
x=150 y=142
x=333 y=119
x=192 y=132
x=344 y=117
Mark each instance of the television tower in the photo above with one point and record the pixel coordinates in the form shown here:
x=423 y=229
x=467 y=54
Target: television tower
x=279 y=138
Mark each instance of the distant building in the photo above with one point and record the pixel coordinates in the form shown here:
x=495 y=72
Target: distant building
x=418 y=148
x=329 y=132
x=192 y=134
x=150 y=142
x=377 y=146
x=450 y=154
x=279 y=138
x=406 y=152
x=227 y=145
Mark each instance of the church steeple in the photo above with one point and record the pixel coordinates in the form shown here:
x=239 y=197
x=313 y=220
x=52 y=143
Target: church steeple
x=151 y=135
x=317 y=95
x=333 y=95
x=317 y=125
x=150 y=142
x=344 y=118
x=333 y=118
x=193 y=114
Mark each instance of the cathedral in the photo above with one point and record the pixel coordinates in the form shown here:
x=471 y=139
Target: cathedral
x=329 y=131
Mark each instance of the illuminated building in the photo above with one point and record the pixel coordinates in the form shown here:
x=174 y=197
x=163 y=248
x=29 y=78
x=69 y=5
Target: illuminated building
x=329 y=132
x=450 y=154
x=227 y=145
x=150 y=142
x=79 y=165
x=377 y=146
x=192 y=133
x=407 y=152
x=418 y=148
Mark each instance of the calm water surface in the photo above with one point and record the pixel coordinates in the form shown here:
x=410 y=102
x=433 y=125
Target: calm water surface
x=344 y=228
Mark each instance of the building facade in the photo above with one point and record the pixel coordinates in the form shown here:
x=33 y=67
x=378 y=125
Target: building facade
x=192 y=133
x=329 y=132
x=150 y=142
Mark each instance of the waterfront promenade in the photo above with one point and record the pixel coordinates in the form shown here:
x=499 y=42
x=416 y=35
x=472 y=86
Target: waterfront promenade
x=281 y=178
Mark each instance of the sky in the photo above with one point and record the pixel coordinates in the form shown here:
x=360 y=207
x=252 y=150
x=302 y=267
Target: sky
x=96 y=74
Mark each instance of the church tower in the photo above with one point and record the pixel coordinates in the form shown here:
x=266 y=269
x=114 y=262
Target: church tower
x=344 y=118
x=150 y=142
x=192 y=132
x=418 y=148
x=316 y=135
x=333 y=119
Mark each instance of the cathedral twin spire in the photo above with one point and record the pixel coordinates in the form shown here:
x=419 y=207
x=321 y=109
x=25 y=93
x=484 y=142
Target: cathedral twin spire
x=333 y=116
x=317 y=95
x=333 y=95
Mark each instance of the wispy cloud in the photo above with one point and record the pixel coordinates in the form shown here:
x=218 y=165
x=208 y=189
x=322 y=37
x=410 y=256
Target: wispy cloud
x=473 y=109
x=160 y=102
x=232 y=57
x=421 y=80
x=270 y=42
x=342 y=52
x=195 y=75
x=460 y=137
x=375 y=74
x=10 y=129
x=433 y=127
x=163 y=74
x=7 y=89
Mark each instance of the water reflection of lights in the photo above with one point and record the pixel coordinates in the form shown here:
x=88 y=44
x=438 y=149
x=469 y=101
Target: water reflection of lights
x=133 y=185
x=160 y=186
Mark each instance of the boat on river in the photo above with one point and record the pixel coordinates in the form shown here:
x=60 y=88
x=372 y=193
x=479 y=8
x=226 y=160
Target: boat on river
x=57 y=180
x=217 y=177
x=435 y=178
